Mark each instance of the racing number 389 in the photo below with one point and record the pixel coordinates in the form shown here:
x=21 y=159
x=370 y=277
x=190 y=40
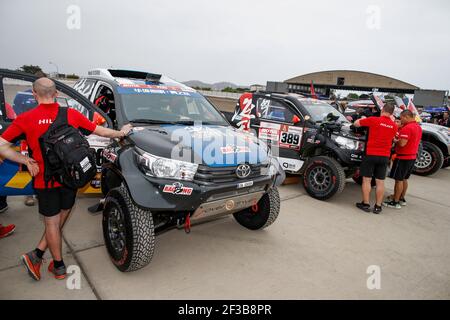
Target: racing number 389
x=290 y=138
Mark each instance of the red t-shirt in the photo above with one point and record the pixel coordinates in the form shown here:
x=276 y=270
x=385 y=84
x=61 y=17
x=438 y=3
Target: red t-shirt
x=34 y=123
x=412 y=132
x=382 y=131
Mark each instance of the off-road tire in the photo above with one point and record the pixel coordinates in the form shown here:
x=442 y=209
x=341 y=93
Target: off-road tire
x=437 y=160
x=336 y=175
x=268 y=210
x=139 y=231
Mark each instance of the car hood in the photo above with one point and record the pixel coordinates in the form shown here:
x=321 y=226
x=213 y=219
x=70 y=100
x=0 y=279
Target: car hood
x=215 y=146
x=431 y=127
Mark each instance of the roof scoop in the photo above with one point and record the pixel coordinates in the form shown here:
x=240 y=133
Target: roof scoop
x=153 y=77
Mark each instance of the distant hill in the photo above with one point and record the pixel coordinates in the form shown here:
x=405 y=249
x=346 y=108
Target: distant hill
x=219 y=86
x=196 y=83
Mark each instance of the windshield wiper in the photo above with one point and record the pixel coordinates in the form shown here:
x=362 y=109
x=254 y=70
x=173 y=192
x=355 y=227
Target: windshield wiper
x=181 y=122
x=205 y=123
x=185 y=122
x=150 y=121
x=215 y=123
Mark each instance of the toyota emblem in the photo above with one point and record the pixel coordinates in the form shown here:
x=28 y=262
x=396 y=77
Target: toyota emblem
x=243 y=171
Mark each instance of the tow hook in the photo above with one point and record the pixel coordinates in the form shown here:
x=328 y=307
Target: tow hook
x=255 y=208
x=187 y=224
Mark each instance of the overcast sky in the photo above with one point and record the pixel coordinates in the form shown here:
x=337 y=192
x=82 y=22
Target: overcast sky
x=242 y=41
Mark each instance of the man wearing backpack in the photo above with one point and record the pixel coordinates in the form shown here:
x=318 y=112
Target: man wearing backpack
x=55 y=200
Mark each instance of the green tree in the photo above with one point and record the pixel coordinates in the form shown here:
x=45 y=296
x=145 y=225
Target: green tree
x=29 y=68
x=72 y=76
x=352 y=96
x=229 y=89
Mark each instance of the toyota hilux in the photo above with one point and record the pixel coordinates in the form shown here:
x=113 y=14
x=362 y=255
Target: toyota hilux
x=181 y=164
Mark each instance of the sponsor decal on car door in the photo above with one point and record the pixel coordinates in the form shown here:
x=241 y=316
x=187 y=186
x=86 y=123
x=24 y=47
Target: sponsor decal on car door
x=282 y=135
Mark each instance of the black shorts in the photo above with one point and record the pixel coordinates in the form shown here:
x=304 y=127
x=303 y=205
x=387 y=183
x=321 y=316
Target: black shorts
x=374 y=166
x=402 y=169
x=52 y=201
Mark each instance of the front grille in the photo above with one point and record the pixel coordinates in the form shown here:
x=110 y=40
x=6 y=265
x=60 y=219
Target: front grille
x=215 y=175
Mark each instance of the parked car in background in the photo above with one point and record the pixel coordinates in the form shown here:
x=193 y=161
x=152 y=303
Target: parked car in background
x=308 y=136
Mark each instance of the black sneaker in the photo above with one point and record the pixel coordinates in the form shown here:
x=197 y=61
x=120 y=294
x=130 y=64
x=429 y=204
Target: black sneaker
x=363 y=206
x=392 y=204
x=3 y=207
x=377 y=209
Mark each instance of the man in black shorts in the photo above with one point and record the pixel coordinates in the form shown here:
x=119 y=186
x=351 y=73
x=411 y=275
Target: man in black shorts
x=55 y=202
x=382 y=131
x=406 y=150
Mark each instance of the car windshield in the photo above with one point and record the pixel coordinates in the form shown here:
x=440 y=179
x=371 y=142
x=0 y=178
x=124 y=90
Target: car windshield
x=168 y=106
x=318 y=111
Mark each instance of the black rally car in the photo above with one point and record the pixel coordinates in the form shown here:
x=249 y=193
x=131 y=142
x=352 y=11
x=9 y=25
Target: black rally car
x=308 y=136
x=182 y=163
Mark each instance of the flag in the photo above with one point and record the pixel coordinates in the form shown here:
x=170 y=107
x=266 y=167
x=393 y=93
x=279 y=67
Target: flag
x=413 y=109
x=400 y=103
x=378 y=102
x=313 y=92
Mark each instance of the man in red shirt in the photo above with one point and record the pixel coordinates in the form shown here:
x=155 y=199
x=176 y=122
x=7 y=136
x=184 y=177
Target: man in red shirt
x=382 y=131
x=55 y=203
x=406 y=149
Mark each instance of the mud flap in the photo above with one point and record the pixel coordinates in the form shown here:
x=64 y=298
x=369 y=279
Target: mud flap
x=96 y=209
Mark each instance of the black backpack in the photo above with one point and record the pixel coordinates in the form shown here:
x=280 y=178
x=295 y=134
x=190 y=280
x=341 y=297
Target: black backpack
x=68 y=158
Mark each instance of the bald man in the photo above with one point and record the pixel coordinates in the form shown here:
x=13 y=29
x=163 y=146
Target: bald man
x=55 y=203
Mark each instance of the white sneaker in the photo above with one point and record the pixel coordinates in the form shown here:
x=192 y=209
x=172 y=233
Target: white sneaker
x=29 y=201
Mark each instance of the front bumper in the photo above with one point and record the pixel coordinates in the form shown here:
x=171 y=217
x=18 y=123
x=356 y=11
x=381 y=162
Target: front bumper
x=193 y=195
x=165 y=195
x=350 y=157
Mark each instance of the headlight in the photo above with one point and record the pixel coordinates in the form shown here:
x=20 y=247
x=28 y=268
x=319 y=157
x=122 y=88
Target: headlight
x=347 y=143
x=158 y=167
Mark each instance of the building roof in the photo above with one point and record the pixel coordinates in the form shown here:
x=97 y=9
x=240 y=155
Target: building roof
x=354 y=80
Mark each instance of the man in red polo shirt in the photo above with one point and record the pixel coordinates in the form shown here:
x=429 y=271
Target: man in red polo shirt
x=406 y=149
x=382 y=131
x=55 y=203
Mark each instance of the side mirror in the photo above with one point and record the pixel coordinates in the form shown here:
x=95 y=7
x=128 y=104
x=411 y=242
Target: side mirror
x=295 y=119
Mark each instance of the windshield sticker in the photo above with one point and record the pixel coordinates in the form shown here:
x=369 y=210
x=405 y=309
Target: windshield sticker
x=153 y=89
x=149 y=86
